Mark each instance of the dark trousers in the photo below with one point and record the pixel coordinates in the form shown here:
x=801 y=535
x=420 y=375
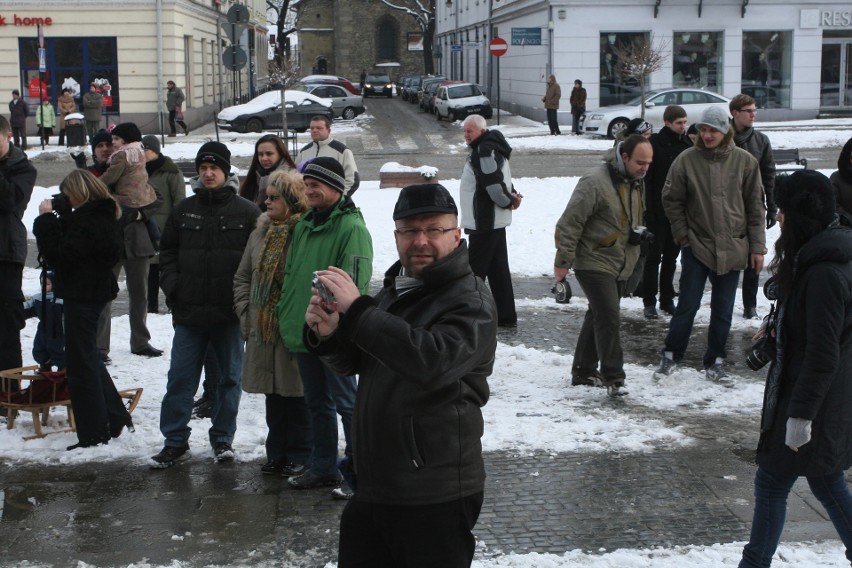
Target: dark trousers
x=153 y=287
x=408 y=536
x=19 y=137
x=45 y=134
x=136 y=280
x=661 y=261
x=12 y=319
x=575 y=123
x=552 y=121
x=750 y=283
x=172 y=114
x=289 y=439
x=98 y=408
x=600 y=335
x=489 y=259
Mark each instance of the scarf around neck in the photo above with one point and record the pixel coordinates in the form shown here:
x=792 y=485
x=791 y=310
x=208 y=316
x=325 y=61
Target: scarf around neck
x=269 y=277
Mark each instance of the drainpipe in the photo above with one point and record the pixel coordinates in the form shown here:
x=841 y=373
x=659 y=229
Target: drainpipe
x=160 y=67
x=490 y=57
x=550 y=40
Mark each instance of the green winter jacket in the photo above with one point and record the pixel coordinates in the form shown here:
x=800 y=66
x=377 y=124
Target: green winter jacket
x=342 y=241
x=49 y=114
x=592 y=233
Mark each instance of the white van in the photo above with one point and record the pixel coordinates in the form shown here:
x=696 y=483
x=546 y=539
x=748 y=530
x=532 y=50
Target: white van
x=455 y=102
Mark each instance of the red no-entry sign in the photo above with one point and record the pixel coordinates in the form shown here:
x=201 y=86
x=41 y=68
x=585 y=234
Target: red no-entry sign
x=498 y=46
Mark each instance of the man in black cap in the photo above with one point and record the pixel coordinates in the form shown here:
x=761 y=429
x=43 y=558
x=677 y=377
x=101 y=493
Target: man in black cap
x=101 y=151
x=201 y=247
x=332 y=233
x=423 y=348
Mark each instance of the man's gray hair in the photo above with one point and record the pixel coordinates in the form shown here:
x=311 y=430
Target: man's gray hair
x=476 y=120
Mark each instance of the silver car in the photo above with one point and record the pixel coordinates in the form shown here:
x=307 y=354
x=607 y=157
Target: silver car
x=344 y=104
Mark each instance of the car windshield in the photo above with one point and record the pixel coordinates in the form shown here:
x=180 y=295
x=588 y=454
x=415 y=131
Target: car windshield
x=463 y=91
x=636 y=100
x=378 y=79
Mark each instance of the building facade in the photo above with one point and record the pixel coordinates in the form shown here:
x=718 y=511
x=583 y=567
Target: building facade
x=346 y=37
x=794 y=57
x=130 y=50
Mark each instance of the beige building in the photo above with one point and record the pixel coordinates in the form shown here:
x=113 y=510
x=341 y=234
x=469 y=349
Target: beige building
x=130 y=49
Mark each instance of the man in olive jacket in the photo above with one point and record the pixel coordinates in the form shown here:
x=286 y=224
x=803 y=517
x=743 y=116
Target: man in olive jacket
x=713 y=198
x=597 y=237
x=551 y=104
x=423 y=348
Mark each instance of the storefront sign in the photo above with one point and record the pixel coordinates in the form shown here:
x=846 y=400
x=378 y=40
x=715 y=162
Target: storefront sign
x=526 y=36
x=24 y=21
x=811 y=18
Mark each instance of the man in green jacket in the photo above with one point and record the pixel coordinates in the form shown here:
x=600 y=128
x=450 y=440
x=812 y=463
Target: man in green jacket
x=713 y=198
x=332 y=233
x=598 y=236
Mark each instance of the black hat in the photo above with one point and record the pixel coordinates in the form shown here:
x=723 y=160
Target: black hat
x=423 y=198
x=101 y=136
x=638 y=126
x=151 y=142
x=128 y=132
x=215 y=153
x=328 y=171
x=806 y=193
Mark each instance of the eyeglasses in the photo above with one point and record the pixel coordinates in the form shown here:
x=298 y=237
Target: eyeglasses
x=273 y=197
x=748 y=110
x=411 y=233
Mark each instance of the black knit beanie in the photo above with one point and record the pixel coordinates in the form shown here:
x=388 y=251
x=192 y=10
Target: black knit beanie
x=128 y=132
x=806 y=193
x=215 y=153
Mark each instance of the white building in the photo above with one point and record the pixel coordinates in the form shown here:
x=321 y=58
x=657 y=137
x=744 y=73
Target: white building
x=130 y=49
x=794 y=57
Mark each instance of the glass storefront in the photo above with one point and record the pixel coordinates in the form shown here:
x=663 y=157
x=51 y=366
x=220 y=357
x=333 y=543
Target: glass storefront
x=615 y=89
x=71 y=63
x=767 y=67
x=696 y=60
x=836 y=79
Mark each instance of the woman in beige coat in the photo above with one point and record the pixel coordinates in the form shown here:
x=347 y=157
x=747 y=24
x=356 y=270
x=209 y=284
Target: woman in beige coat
x=268 y=367
x=65 y=105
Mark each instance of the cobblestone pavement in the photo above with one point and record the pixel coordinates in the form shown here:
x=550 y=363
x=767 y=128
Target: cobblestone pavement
x=198 y=513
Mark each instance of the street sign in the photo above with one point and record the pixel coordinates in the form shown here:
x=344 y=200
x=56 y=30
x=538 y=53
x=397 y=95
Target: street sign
x=526 y=36
x=42 y=59
x=455 y=48
x=238 y=14
x=234 y=58
x=234 y=31
x=498 y=46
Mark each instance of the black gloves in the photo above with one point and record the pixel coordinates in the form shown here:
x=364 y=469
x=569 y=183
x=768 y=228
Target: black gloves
x=770 y=218
x=79 y=160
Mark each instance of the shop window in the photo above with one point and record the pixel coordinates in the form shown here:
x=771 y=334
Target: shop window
x=767 y=63
x=615 y=88
x=695 y=60
x=386 y=39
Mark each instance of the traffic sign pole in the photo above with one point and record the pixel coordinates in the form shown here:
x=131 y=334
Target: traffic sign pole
x=498 y=47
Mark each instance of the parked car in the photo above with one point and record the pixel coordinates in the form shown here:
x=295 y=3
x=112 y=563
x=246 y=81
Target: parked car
x=378 y=84
x=429 y=87
x=765 y=97
x=609 y=121
x=331 y=80
x=344 y=104
x=406 y=83
x=416 y=85
x=264 y=112
x=613 y=94
x=429 y=103
x=458 y=101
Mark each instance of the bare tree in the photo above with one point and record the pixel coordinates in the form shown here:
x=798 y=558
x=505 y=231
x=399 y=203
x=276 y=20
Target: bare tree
x=638 y=59
x=282 y=70
x=423 y=12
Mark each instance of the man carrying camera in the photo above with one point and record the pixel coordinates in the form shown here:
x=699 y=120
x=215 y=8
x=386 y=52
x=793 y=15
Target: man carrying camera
x=598 y=236
x=713 y=198
x=17 y=178
x=332 y=233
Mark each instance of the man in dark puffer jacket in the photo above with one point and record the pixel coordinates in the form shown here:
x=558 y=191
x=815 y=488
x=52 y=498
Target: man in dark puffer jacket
x=200 y=250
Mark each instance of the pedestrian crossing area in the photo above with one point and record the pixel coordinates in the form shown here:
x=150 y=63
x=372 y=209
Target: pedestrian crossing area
x=403 y=142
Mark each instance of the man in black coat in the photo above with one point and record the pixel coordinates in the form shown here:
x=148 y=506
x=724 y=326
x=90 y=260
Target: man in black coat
x=661 y=259
x=18 y=119
x=201 y=247
x=424 y=348
x=17 y=178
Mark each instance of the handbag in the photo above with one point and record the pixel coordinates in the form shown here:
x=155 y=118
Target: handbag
x=179 y=115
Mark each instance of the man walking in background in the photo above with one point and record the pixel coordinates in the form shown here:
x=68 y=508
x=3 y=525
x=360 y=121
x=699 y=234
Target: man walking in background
x=743 y=110
x=174 y=101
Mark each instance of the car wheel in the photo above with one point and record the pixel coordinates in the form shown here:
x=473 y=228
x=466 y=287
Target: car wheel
x=616 y=126
x=254 y=125
x=348 y=113
x=451 y=116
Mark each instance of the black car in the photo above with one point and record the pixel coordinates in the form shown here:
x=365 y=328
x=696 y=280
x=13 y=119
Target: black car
x=264 y=112
x=378 y=85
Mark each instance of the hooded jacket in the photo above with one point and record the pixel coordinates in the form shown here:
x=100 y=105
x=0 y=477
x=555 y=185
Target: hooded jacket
x=593 y=230
x=17 y=178
x=331 y=148
x=200 y=250
x=841 y=181
x=167 y=179
x=341 y=240
x=714 y=198
x=485 y=188
x=813 y=380
x=127 y=178
x=82 y=248
x=423 y=356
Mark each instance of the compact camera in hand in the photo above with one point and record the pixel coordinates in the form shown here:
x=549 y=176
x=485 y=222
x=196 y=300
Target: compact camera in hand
x=640 y=235
x=323 y=292
x=60 y=204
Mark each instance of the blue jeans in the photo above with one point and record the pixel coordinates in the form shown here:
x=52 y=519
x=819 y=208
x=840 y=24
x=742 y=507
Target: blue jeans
x=693 y=277
x=327 y=395
x=770 y=510
x=188 y=349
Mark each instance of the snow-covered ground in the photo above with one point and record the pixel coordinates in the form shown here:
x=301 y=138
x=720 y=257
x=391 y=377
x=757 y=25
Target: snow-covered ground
x=523 y=412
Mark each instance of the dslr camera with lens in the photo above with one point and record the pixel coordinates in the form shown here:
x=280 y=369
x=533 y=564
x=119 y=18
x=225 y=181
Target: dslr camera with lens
x=60 y=204
x=764 y=348
x=639 y=235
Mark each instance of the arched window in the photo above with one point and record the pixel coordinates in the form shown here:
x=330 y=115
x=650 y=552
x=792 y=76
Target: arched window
x=387 y=43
